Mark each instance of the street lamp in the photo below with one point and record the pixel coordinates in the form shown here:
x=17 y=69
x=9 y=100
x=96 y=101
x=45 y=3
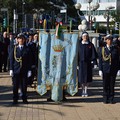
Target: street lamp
x=78 y=7
x=89 y=14
x=23 y=14
x=107 y=16
x=91 y=8
x=37 y=15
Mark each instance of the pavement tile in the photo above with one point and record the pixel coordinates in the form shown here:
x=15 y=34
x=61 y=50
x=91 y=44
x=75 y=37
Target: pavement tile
x=76 y=108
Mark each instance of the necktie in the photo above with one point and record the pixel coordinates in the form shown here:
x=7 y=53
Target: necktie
x=21 y=48
x=109 y=48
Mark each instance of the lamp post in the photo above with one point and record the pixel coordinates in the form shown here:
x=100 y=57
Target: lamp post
x=23 y=14
x=15 y=18
x=91 y=8
x=89 y=14
x=37 y=15
x=78 y=7
x=107 y=16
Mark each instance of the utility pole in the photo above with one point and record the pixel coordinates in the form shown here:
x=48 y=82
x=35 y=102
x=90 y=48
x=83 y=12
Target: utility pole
x=15 y=21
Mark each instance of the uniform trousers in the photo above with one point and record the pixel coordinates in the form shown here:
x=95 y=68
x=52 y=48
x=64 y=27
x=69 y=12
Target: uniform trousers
x=5 y=61
x=19 y=81
x=108 y=85
x=0 y=62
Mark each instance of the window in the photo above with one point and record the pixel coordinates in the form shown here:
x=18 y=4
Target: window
x=94 y=1
x=102 y=1
x=82 y=1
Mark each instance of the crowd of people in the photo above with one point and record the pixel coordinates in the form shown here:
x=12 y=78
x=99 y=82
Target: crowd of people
x=19 y=56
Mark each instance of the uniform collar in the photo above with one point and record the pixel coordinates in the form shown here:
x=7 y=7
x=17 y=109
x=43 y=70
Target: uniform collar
x=21 y=46
x=84 y=42
x=108 y=46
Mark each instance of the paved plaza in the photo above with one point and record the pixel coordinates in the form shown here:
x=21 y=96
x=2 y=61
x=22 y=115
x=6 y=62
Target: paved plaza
x=75 y=108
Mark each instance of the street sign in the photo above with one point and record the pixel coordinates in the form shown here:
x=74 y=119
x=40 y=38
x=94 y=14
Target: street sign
x=4 y=9
x=63 y=11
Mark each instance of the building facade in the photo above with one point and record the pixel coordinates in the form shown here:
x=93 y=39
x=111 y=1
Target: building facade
x=100 y=12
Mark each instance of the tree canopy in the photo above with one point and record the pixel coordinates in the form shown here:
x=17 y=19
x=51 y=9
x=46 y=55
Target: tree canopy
x=37 y=4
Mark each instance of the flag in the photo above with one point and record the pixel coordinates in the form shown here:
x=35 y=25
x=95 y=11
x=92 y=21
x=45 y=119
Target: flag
x=57 y=65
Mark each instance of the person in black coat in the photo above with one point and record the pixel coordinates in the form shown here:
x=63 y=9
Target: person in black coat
x=108 y=68
x=20 y=68
x=10 y=47
x=1 y=53
x=6 y=43
x=87 y=57
x=32 y=46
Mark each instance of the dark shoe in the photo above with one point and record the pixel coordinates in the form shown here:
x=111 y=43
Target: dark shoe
x=15 y=102
x=64 y=99
x=112 y=102
x=49 y=100
x=105 y=101
x=5 y=70
x=25 y=102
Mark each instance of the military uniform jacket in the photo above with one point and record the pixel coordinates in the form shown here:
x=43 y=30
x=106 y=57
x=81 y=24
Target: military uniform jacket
x=109 y=60
x=15 y=65
x=87 y=54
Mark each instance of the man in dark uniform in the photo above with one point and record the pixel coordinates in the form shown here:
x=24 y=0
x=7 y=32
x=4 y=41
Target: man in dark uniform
x=20 y=63
x=6 y=43
x=108 y=68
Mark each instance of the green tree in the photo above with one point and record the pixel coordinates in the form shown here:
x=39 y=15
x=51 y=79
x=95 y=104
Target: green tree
x=116 y=16
x=36 y=4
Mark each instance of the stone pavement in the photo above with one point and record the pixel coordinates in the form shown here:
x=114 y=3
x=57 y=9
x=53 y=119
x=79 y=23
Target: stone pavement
x=76 y=108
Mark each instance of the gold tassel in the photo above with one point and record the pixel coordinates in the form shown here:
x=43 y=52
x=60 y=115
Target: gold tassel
x=45 y=24
x=106 y=57
x=17 y=59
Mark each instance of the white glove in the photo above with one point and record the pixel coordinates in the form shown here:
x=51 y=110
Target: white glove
x=95 y=66
x=29 y=74
x=77 y=67
x=11 y=73
x=118 y=73
x=100 y=73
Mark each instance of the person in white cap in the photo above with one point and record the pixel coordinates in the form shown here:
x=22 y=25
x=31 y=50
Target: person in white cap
x=108 y=68
x=20 y=68
x=87 y=57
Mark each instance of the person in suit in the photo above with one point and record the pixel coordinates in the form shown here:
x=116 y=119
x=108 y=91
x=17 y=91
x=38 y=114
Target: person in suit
x=1 y=53
x=36 y=41
x=108 y=68
x=20 y=68
x=87 y=57
x=10 y=47
x=32 y=46
x=6 y=43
